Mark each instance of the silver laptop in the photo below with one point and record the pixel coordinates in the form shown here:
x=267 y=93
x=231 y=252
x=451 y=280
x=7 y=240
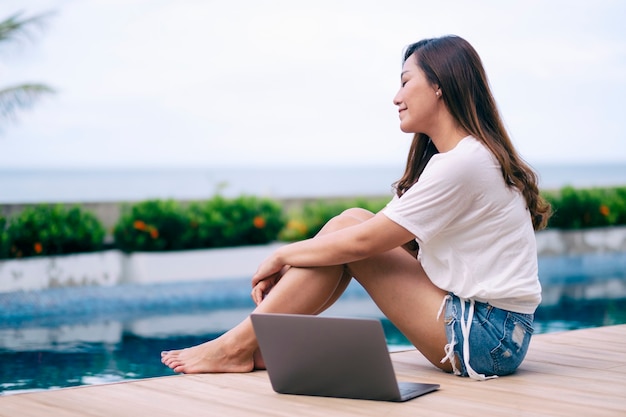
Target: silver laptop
x=330 y=357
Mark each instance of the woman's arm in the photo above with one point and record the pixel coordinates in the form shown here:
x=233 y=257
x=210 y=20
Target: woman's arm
x=376 y=235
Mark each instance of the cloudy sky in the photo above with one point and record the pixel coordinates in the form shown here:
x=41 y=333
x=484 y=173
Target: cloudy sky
x=171 y=83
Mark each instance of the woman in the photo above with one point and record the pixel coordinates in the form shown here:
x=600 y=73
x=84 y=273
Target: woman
x=467 y=205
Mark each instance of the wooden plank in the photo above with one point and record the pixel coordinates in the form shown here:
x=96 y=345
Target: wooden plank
x=581 y=372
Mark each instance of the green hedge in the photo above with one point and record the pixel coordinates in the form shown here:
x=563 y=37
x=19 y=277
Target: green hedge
x=4 y=238
x=161 y=225
x=587 y=208
x=153 y=225
x=246 y=220
x=219 y=222
x=43 y=230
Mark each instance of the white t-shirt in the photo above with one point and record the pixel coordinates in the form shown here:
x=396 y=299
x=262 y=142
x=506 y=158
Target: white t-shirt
x=475 y=233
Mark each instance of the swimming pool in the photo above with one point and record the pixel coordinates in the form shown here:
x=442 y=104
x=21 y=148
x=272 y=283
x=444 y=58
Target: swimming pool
x=92 y=335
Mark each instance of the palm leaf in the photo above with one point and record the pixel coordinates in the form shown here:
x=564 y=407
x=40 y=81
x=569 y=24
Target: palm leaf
x=20 y=97
x=15 y=27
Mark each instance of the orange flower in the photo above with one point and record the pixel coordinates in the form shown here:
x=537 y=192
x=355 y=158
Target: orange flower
x=259 y=222
x=139 y=225
x=154 y=233
x=604 y=210
x=38 y=247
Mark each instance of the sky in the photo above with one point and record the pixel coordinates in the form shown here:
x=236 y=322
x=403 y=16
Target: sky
x=203 y=83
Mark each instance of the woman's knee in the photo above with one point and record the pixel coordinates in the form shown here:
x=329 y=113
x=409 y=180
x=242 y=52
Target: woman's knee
x=358 y=213
x=347 y=218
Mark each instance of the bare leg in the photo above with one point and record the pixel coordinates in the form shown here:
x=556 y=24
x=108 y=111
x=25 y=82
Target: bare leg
x=300 y=291
x=395 y=280
x=399 y=286
x=401 y=289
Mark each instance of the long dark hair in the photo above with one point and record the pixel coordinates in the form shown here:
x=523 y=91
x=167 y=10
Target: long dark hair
x=451 y=63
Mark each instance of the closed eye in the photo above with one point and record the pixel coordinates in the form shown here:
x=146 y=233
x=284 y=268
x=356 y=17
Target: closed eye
x=403 y=79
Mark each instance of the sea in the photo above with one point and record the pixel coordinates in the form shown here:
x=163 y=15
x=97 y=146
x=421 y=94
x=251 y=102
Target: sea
x=116 y=184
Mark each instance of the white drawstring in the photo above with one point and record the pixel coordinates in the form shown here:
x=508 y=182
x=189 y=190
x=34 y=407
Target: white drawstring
x=449 y=348
x=465 y=329
x=443 y=305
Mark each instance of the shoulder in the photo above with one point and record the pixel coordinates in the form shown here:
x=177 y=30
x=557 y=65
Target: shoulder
x=468 y=161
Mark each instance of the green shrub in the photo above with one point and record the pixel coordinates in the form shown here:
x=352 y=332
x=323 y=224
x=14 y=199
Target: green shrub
x=246 y=220
x=4 y=239
x=586 y=208
x=619 y=208
x=310 y=219
x=206 y=224
x=219 y=222
x=153 y=225
x=253 y=220
x=161 y=225
x=52 y=230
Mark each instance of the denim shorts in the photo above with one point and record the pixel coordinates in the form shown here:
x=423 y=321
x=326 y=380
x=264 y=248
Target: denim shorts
x=498 y=339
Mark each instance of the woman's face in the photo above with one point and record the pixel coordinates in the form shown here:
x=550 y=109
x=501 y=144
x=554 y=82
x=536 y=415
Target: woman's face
x=417 y=99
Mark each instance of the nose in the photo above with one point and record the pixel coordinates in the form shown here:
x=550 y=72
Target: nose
x=397 y=100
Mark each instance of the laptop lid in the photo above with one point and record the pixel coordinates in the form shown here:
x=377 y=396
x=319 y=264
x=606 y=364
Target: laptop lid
x=331 y=357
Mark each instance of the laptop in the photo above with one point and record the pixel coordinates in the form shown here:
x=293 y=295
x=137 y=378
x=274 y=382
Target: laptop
x=330 y=357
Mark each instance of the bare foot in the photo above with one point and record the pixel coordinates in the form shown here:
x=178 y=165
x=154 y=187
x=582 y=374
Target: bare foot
x=208 y=357
x=259 y=363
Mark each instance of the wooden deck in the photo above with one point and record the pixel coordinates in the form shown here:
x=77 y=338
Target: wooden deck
x=577 y=373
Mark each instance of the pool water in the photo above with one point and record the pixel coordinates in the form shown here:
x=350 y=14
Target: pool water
x=108 y=350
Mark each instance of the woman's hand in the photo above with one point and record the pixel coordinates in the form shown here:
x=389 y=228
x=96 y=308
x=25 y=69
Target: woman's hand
x=261 y=289
x=268 y=268
x=266 y=277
